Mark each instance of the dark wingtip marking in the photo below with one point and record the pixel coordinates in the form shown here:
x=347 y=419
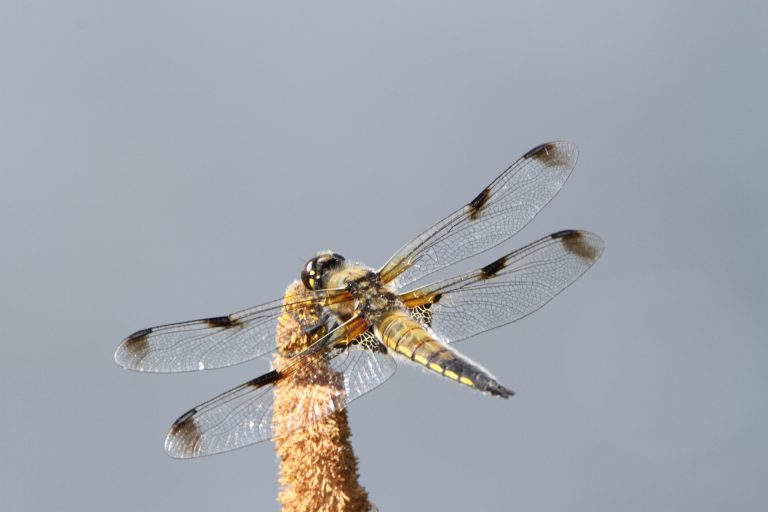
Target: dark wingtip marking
x=493 y=268
x=478 y=203
x=220 y=321
x=184 y=419
x=564 y=233
x=576 y=243
x=137 y=345
x=541 y=150
x=183 y=439
x=549 y=154
x=436 y=298
x=139 y=335
x=267 y=378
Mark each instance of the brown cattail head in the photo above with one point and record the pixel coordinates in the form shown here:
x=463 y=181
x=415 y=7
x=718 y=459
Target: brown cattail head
x=318 y=469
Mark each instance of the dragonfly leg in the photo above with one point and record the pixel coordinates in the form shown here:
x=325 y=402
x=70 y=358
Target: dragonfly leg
x=321 y=324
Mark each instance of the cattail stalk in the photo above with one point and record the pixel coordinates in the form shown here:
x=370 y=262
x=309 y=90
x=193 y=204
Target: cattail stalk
x=318 y=469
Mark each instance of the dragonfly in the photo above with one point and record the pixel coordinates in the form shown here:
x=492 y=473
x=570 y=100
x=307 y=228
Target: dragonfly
x=366 y=319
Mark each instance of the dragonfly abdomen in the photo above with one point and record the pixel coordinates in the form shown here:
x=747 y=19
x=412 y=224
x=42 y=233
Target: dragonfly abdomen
x=407 y=337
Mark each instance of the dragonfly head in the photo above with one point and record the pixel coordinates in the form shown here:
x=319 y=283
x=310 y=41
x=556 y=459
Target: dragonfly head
x=317 y=269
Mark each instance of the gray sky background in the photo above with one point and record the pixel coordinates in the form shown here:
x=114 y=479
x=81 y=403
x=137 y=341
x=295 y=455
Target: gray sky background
x=163 y=161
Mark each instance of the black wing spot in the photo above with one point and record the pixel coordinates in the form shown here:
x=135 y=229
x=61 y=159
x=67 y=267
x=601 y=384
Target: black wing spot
x=478 y=203
x=263 y=380
x=183 y=419
x=541 y=151
x=493 y=268
x=220 y=321
x=576 y=243
x=139 y=336
x=549 y=154
x=564 y=233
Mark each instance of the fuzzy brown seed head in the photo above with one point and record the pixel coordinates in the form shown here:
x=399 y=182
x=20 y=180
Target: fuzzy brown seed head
x=318 y=469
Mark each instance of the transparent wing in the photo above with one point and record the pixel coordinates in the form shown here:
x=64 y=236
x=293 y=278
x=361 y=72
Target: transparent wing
x=210 y=342
x=319 y=381
x=497 y=213
x=507 y=289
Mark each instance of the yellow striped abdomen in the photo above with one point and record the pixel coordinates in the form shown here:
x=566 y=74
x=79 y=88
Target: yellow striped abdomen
x=405 y=336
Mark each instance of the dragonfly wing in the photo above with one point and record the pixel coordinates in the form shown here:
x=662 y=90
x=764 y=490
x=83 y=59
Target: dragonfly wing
x=322 y=380
x=505 y=290
x=506 y=205
x=210 y=342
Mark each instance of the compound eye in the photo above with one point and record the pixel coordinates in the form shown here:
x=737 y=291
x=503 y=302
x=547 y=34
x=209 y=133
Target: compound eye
x=309 y=276
x=316 y=270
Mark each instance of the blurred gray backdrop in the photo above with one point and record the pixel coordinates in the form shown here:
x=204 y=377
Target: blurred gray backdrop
x=163 y=161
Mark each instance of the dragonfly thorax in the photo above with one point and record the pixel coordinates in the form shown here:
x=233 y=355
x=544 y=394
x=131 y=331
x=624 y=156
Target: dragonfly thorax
x=370 y=298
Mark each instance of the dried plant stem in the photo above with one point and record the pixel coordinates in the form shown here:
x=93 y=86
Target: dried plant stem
x=318 y=469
